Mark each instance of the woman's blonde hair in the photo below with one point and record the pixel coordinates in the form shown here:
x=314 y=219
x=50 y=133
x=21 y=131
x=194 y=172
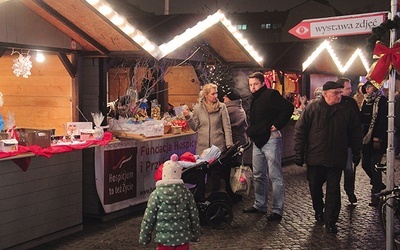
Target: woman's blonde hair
x=206 y=90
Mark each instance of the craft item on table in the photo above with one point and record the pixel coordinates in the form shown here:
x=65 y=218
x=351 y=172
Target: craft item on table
x=71 y=128
x=30 y=136
x=10 y=127
x=98 y=130
x=87 y=134
x=8 y=145
x=155 y=110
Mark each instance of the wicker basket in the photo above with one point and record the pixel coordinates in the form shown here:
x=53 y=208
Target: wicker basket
x=28 y=137
x=176 y=130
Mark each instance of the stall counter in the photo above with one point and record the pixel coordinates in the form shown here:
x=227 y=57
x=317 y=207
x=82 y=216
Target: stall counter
x=41 y=193
x=119 y=177
x=43 y=203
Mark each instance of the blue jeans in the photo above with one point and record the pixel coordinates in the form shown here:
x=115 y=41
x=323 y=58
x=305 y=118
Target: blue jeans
x=267 y=166
x=349 y=174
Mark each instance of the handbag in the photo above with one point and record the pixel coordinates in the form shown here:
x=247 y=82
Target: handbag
x=241 y=179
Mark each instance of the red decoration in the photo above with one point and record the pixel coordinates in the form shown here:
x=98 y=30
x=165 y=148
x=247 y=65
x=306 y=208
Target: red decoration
x=387 y=58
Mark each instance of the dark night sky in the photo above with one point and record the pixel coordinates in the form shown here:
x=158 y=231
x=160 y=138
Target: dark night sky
x=210 y=6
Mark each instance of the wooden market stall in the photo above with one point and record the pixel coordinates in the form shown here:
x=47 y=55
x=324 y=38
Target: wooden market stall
x=84 y=48
x=45 y=201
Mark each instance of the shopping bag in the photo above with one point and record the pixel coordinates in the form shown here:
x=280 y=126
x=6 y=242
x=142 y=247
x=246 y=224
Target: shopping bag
x=241 y=179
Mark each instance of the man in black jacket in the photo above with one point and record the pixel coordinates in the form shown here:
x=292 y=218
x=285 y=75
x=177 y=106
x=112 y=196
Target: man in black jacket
x=269 y=112
x=350 y=170
x=321 y=137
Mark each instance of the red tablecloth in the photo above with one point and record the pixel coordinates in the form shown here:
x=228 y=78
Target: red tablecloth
x=23 y=163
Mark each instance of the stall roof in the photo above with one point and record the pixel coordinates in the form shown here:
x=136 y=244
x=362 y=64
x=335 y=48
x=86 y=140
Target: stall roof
x=99 y=35
x=93 y=31
x=218 y=36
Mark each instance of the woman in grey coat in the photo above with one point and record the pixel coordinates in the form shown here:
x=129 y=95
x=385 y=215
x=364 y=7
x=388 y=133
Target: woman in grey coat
x=210 y=119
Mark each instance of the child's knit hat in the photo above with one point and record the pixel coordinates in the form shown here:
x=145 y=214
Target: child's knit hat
x=172 y=170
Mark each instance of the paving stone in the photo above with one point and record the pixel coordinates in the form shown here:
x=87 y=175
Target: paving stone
x=359 y=226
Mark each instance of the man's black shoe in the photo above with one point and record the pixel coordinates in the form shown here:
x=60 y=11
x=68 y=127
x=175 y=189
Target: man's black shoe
x=374 y=201
x=274 y=217
x=353 y=199
x=252 y=210
x=319 y=217
x=331 y=228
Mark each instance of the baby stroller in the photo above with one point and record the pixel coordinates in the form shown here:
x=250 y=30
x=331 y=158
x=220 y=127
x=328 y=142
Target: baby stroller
x=216 y=209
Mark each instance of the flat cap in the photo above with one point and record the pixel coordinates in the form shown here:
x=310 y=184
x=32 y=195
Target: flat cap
x=331 y=85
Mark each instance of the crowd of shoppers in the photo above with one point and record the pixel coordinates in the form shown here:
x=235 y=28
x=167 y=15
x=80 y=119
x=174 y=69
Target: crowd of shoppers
x=334 y=132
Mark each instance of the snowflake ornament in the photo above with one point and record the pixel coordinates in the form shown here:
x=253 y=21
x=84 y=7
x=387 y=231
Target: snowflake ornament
x=22 y=66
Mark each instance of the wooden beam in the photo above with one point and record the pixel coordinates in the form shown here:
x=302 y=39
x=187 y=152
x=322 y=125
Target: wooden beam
x=2 y=50
x=67 y=64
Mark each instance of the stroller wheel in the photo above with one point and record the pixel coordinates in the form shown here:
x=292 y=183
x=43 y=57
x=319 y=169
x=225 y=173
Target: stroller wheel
x=219 y=215
x=220 y=196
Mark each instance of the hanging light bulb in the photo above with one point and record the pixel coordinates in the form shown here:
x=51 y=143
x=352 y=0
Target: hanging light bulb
x=40 y=57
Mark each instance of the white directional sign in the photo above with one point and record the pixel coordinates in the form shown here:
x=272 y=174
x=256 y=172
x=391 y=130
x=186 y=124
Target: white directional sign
x=338 y=26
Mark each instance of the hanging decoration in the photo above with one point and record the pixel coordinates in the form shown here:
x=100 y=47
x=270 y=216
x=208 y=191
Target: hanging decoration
x=380 y=33
x=386 y=58
x=22 y=65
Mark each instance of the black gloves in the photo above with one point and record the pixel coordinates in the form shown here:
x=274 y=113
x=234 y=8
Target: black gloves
x=377 y=145
x=356 y=159
x=299 y=159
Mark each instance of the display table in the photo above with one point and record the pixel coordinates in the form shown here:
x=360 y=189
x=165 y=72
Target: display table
x=41 y=197
x=122 y=176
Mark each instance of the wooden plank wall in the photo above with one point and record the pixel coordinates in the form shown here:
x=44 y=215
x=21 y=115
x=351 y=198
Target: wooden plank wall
x=89 y=90
x=43 y=202
x=183 y=85
x=20 y=25
x=120 y=78
x=43 y=100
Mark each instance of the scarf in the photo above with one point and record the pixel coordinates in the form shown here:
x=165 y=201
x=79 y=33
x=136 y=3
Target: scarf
x=374 y=97
x=211 y=107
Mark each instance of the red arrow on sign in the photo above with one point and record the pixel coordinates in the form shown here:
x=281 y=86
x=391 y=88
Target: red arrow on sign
x=338 y=26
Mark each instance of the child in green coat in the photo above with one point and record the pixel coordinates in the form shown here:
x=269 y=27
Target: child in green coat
x=171 y=210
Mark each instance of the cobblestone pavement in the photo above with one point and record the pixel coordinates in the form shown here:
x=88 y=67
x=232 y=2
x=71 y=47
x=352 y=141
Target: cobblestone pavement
x=359 y=226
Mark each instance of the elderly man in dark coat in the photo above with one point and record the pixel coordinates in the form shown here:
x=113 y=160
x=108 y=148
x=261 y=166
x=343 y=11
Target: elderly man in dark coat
x=321 y=137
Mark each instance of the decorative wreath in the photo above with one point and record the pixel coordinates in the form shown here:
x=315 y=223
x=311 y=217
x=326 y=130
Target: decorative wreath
x=385 y=57
x=379 y=33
